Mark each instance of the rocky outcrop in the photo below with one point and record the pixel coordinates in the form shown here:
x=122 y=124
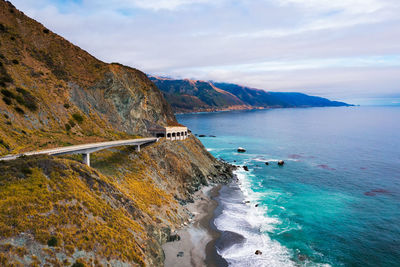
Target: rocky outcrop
x=126 y=99
x=48 y=86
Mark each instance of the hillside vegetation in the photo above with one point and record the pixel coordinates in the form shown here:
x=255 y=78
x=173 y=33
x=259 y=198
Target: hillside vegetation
x=60 y=212
x=53 y=93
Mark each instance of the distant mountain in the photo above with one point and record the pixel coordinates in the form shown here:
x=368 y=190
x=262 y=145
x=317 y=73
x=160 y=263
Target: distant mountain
x=194 y=96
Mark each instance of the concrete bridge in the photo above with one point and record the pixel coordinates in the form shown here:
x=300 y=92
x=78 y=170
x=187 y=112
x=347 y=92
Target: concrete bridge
x=86 y=149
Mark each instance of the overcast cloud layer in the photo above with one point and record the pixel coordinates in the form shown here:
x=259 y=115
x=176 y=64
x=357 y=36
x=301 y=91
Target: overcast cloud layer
x=343 y=49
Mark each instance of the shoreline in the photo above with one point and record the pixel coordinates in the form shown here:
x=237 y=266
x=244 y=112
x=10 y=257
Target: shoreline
x=196 y=246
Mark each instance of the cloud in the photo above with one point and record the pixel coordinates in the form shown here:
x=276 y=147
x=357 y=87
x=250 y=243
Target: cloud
x=163 y=4
x=311 y=45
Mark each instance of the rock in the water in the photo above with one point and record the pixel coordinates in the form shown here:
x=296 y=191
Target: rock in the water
x=302 y=257
x=258 y=252
x=281 y=162
x=202 y=135
x=256 y=205
x=174 y=237
x=246 y=168
x=241 y=149
x=212 y=136
x=267 y=163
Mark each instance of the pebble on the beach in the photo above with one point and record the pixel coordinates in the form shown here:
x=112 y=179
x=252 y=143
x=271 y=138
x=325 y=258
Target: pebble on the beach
x=180 y=254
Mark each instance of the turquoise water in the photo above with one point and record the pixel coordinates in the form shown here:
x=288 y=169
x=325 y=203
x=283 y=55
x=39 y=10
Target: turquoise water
x=336 y=201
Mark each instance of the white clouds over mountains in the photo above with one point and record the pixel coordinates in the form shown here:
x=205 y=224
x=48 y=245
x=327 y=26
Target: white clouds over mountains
x=341 y=48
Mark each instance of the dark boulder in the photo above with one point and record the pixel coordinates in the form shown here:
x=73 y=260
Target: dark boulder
x=241 y=149
x=246 y=168
x=258 y=252
x=302 y=257
x=174 y=237
x=202 y=135
x=281 y=162
x=267 y=163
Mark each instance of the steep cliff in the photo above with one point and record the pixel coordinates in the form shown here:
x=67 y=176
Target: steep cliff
x=54 y=93
x=55 y=211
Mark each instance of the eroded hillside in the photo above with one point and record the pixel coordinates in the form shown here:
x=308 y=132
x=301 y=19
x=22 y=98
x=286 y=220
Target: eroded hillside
x=53 y=93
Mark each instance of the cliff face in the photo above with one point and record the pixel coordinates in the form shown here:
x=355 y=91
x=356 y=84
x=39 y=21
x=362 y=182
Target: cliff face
x=55 y=211
x=119 y=212
x=54 y=93
x=194 y=96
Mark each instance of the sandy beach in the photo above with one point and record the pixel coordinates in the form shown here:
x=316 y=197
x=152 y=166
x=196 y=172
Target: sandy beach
x=197 y=244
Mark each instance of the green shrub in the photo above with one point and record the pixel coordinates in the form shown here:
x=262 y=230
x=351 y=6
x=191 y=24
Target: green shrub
x=20 y=100
x=78 y=117
x=71 y=123
x=27 y=99
x=7 y=93
x=4 y=144
x=66 y=105
x=52 y=242
x=78 y=264
x=67 y=127
x=19 y=110
x=7 y=100
x=14 y=61
x=22 y=91
x=30 y=102
x=26 y=170
x=46 y=31
x=3 y=28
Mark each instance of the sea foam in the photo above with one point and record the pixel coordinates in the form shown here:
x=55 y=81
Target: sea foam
x=239 y=215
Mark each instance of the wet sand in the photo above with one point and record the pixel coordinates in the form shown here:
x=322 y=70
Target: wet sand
x=197 y=244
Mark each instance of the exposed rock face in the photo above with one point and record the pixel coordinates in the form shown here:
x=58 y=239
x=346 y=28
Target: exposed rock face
x=48 y=85
x=126 y=99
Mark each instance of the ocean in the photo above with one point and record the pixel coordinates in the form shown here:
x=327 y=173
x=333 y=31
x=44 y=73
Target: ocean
x=336 y=200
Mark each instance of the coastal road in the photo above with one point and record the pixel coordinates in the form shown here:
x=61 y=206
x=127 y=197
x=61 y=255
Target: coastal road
x=86 y=149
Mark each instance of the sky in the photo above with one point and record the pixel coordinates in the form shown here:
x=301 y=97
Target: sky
x=345 y=50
